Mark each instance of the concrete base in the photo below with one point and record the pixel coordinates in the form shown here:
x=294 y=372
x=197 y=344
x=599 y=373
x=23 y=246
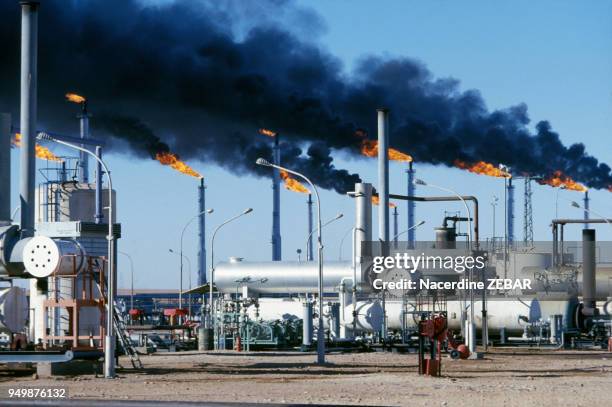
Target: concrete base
x=72 y=368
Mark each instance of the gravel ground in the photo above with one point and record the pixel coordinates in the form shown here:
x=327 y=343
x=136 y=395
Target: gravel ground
x=511 y=377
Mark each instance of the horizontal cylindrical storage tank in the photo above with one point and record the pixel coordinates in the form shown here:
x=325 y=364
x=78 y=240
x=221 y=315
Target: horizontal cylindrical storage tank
x=510 y=314
x=43 y=256
x=13 y=309
x=278 y=277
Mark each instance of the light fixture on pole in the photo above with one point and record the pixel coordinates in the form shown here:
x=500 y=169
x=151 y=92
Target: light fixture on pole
x=409 y=229
x=206 y=211
x=109 y=342
x=335 y=218
x=577 y=205
x=321 y=331
x=472 y=328
x=211 y=282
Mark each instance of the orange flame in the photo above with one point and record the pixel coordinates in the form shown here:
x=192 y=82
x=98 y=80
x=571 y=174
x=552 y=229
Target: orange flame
x=173 y=161
x=369 y=148
x=292 y=184
x=74 y=98
x=41 y=152
x=558 y=179
x=376 y=201
x=483 y=168
x=267 y=132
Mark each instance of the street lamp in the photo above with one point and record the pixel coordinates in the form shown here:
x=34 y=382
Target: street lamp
x=321 y=334
x=335 y=218
x=409 y=229
x=212 y=263
x=576 y=205
x=109 y=342
x=132 y=274
x=472 y=327
x=206 y=211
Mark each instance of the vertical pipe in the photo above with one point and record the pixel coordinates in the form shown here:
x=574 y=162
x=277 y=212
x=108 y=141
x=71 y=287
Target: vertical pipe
x=309 y=252
x=411 y=207
x=510 y=212
x=383 y=174
x=588 y=271
x=307 y=325
x=202 y=233
x=29 y=77
x=99 y=215
x=276 y=236
x=83 y=156
x=586 y=209
x=5 y=167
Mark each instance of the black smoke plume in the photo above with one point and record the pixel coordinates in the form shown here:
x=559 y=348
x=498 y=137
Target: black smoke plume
x=206 y=76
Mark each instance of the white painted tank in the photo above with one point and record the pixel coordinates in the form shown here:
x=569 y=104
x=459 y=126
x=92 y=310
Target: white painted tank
x=43 y=256
x=501 y=313
x=13 y=309
x=280 y=277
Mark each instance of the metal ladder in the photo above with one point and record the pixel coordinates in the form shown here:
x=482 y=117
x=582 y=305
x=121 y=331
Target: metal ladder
x=124 y=339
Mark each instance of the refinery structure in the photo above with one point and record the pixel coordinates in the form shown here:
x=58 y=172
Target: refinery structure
x=60 y=304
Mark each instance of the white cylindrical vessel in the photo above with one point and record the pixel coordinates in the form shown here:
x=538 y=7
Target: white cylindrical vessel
x=280 y=277
x=13 y=310
x=43 y=256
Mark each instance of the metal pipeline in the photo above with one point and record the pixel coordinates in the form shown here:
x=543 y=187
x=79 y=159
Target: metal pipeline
x=588 y=272
x=201 y=233
x=443 y=199
x=276 y=235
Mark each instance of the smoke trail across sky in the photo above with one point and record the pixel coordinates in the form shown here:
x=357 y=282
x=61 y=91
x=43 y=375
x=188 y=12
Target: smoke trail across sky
x=204 y=77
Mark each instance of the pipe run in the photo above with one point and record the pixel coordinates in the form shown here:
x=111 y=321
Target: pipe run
x=471 y=198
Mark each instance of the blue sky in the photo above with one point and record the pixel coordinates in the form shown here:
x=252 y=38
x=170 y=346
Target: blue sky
x=553 y=55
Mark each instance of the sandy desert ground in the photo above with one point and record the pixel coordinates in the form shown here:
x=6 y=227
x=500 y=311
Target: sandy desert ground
x=509 y=377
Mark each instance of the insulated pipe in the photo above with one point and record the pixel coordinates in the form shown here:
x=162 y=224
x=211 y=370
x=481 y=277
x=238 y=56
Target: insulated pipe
x=363 y=217
x=5 y=168
x=202 y=233
x=588 y=272
x=444 y=199
x=307 y=324
x=276 y=235
x=383 y=174
x=28 y=109
x=84 y=157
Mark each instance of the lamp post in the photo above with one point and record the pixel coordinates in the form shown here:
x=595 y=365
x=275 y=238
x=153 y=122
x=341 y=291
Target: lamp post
x=132 y=278
x=472 y=328
x=576 y=205
x=211 y=319
x=335 y=218
x=409 y=229
x=320 y=335
x=109 y=342
x=206 y=211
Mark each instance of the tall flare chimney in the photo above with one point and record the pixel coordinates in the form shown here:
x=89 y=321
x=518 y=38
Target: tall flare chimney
x=201 y=233
x=5 y=168
x=510 y=212
x=411 y=206
x=383 y=174
x=29 y=93
x=83 y=156
x=276 y=235
x=586 y=208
